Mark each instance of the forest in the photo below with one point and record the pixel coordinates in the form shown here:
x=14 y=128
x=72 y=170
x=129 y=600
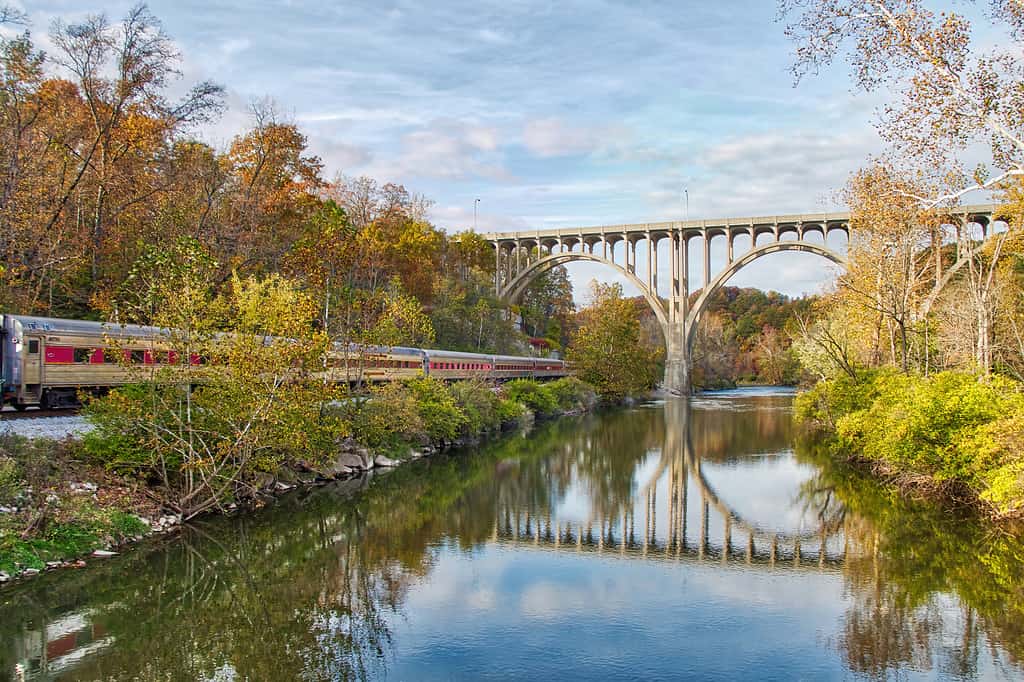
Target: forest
x=103 y=174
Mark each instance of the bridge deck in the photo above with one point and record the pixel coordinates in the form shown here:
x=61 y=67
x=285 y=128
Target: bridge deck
x=716 y=224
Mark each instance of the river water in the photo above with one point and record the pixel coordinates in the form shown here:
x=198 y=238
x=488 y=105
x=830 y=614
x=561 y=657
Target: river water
x=671 y=540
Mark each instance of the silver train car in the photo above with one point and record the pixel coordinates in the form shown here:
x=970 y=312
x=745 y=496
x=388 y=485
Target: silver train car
x=47 y=362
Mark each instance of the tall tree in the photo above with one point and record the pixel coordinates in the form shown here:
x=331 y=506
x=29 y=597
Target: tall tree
x=606 y=350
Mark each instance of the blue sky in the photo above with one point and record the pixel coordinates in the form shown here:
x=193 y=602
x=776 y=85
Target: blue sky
x=551 y=113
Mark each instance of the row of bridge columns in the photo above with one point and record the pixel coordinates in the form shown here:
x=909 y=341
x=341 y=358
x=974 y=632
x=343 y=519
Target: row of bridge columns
x=603 y=536
x=517 y=258
x=526 y=251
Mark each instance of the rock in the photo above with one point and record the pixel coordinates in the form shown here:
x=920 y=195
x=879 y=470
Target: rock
x=4 y=577
x=103 y=553
x=415 y=454
x=281 y=486
x=263 y=481
x=83 y=488
x=8 y=510
x=30 y=571
x=50 y=565
x=352 y=460
x=382 y=461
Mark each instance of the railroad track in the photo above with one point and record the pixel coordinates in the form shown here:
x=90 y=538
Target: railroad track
x=38 y=414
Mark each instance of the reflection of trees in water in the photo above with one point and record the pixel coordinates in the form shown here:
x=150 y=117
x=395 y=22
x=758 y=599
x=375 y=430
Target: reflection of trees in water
x=309 y=588
x=903 y=557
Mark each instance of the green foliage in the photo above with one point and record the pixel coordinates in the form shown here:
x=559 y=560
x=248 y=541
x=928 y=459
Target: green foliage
x=442 y=418
x=82 y=528
x=824 y=403
x=479 y=403
x=572 y=394
x=10 y=479
x=537 y=397
x=606 y=350
x=510 y=412
x=388 y=419
x=953 y=427
x=205 y=430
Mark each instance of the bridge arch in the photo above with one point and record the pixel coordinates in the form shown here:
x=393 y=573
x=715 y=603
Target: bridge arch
x=515 y=288
x=701 y=304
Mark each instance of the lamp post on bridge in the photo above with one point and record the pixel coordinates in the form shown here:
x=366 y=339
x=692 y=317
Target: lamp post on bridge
x=475 y=203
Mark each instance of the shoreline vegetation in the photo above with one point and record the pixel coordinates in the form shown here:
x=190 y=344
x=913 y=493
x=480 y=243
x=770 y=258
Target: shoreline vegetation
x=952 y=436
x=63 y=501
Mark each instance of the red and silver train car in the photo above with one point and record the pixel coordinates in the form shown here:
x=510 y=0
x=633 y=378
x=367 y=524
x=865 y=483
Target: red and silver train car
x=46 y=362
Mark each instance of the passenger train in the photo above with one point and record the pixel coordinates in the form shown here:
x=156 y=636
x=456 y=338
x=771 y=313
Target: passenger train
x=45 y=361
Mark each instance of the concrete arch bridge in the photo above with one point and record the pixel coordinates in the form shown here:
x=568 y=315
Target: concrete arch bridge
x=520 y=257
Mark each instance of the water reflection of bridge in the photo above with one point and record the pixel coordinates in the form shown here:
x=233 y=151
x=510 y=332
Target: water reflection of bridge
x=680 y=479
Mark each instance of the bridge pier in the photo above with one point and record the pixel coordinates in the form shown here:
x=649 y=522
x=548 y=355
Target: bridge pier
x=677 y=365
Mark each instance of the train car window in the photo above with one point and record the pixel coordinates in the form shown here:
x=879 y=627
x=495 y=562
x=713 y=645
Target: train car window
x=33 y=346
x=83 y=354
x=137 y=356
x=60 y=355
x=109 y=356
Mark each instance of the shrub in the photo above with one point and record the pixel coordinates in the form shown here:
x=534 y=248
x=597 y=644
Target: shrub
x=510 y=412
x=442 y=418
x=479 y=404
x=535 y=396
x=26 y=463
x=952 y=427
x=919 y=424
x=10 y=479
x=572 y=394
x=388 y=419
x=822 y=405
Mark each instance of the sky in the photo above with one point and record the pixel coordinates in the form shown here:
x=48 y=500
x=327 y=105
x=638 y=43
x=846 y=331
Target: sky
x=552 y=114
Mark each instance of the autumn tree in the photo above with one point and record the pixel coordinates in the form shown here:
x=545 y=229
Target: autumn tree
x=546 y=306
x=886 y=271
x=606 y=351
x=274 y=181
x=950 y=91
x=237 y=389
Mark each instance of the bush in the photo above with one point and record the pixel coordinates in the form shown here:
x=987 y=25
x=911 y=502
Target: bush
x=479 y=404
x=921 y=424
x=442 y=418
x=535 y=396
x=388 y=419
x=951 y=427
x=26 y=463
x=510 y=412
x=10 y=479
x=822 y=405
x=572 y=394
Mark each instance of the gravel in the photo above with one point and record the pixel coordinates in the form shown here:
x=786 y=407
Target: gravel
x=47 y=427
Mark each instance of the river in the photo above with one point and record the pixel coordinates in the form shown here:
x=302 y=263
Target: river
x=669 y=540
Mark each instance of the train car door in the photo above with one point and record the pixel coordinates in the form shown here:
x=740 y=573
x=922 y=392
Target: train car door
x=31 y=367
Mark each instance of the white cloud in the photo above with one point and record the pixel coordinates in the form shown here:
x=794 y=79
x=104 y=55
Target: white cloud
x=448 y=150
x=489 y=35
x=549 y=137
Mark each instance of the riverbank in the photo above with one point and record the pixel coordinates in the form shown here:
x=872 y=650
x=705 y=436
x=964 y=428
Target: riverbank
x=62 y=502
x=954 y=436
